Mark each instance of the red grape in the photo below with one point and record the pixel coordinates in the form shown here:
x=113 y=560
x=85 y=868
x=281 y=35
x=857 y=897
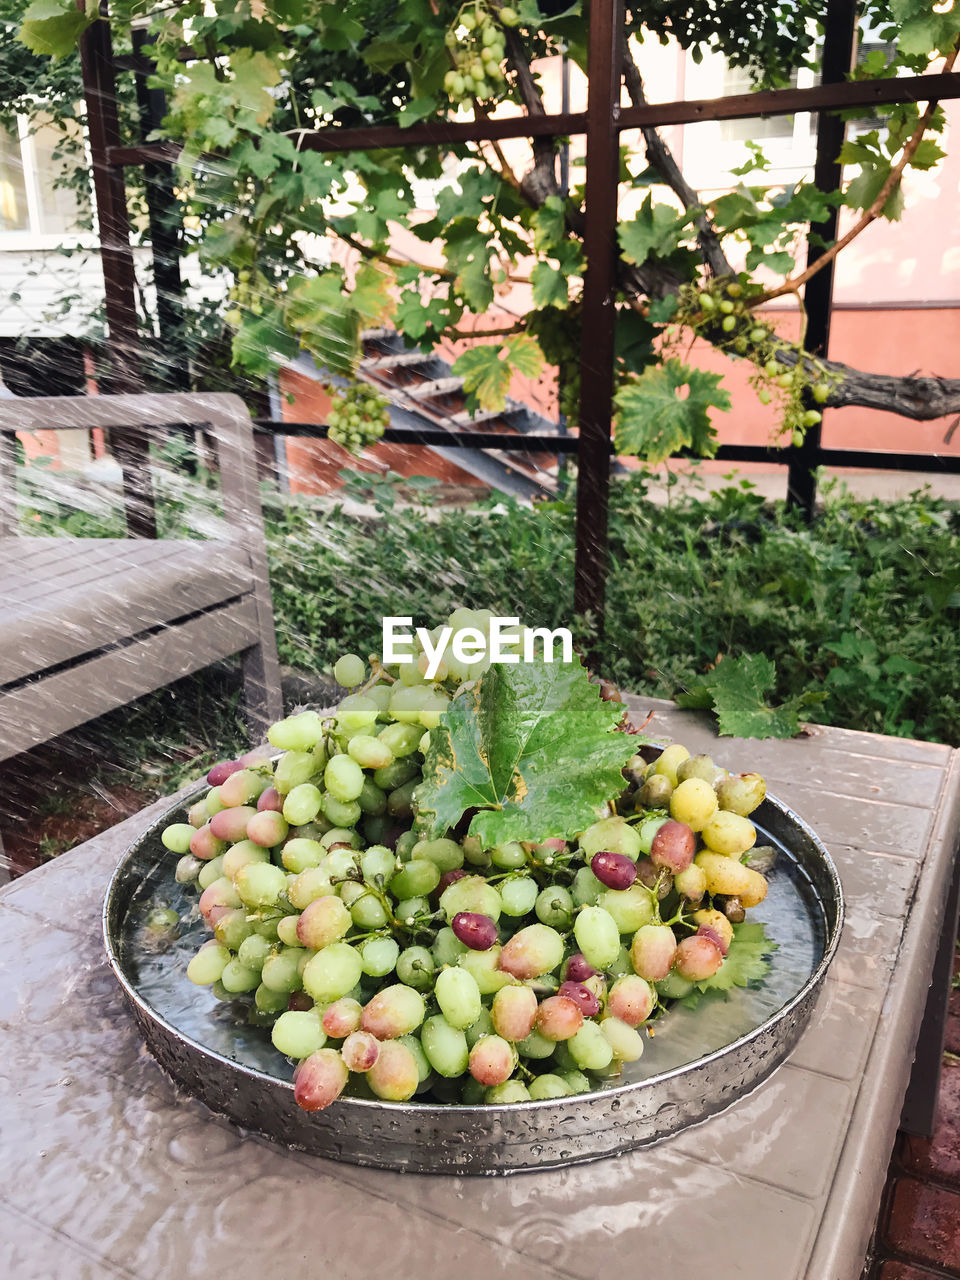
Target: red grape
x=615 y=870
x=270 y=799
x=221 y=771
x=578 y=968
x=476 y=931
x=581 y=996
x=673 y=846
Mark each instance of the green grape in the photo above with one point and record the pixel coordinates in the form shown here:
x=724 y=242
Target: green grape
x=236 y=977
x=445 y=1046
x=419 y=877
x=341 y=813
x=554 y=906
x=536 y=1046
x=597 y=936
x=302 y=804
x=378 y=861
x=447 y=947
x=293 y=768
x=416 y=967
x=298 y=1034
x=309 y=885
x=586 y=887
x=349 y=670
x=208 y=964
x=287 y=931
x=407 y=909
x=590 y=1048
x=446 y=854
x=511 y=856
x=502 y=1094
x=472 y=893
x=297 y=733
x=210 y=872
x=549 y=1086
x=370 y=752
x=260 y=884
x=356 y=712
x=518 y=895
x=484 y=968
x=332 y=972
x=299 y=854
x=372 y=801
x=458 y=996
x=177 y=837
x=281 y=971
x=379 y=956
x=630 y=908
x=253 y=951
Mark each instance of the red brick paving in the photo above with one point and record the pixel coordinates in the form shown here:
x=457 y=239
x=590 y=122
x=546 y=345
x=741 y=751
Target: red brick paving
x=937 y=1159
x=903 y=1271
x=923 y=1223
x=918 y=1235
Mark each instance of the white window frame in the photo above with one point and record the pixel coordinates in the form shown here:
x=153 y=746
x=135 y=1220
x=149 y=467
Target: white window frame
x=32 y=238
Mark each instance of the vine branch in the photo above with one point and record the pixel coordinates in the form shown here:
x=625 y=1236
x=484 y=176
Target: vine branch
x=794 y=283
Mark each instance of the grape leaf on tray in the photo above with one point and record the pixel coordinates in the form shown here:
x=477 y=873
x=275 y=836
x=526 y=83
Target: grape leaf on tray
x=745 y=962
x=532 y=747
x=735 y=689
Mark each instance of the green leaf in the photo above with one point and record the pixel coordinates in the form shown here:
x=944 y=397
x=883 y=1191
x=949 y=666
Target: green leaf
x=656 y=229
x=549 y=286
x=865 y=187
x=654 y=422
x=260 y=344
x=532 y=747
x=549 y=224
x=486 y=375
x=746 y=962
x=52 y=28
x=736 y=688
x=525 y=355
x=420 y=109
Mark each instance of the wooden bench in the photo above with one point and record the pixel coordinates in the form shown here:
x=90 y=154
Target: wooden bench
x=89 y=624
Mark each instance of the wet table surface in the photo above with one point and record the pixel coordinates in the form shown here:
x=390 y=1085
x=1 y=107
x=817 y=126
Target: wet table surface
x=109 y=1170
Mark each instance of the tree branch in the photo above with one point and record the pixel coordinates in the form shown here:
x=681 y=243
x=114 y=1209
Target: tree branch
x=541 y=181
x=661 y=159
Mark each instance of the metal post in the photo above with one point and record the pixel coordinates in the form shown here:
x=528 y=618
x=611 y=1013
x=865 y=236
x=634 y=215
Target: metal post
x=116 y=255
x=840 y=26
x=163 y=213
x=599 y=312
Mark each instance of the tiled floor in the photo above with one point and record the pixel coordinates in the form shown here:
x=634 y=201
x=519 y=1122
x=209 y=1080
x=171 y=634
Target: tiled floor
x=918 y=1234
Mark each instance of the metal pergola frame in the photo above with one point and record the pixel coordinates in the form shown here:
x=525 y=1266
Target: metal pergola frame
x=603 y=122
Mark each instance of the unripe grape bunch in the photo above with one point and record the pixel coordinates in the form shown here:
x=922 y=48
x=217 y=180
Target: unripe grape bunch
x=477 y=48
x=388 y=964
x=358 y=416
x=722 y=310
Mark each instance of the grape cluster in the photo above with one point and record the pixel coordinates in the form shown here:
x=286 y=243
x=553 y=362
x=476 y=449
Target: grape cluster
x=391 y=966
x=723 y=311
x=358 y=416
x=477 y=47
x=244 y=294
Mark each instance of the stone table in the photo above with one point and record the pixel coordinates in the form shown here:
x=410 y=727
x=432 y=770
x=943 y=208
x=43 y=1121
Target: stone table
x=108 y=1170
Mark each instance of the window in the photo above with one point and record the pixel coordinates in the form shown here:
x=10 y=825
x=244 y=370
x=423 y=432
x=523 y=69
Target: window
x=32 y=204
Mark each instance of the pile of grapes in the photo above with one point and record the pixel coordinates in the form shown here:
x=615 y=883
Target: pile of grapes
x=358 y=416
x=389 y=966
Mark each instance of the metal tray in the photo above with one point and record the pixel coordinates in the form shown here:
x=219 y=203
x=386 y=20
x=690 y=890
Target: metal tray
x=697 y=1063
